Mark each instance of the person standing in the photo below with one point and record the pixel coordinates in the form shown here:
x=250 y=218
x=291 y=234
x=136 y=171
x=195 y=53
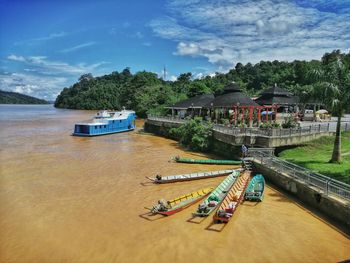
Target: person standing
x=244 y=150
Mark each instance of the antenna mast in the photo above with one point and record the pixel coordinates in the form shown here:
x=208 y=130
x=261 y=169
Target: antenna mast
x=164 y=73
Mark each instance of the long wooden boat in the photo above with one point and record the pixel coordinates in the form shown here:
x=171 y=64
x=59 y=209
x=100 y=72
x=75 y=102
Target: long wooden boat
x=233 y=199
x=217 y=195
x=171 y=207
x=179 y=159
x=188 y=177
x=255 y=189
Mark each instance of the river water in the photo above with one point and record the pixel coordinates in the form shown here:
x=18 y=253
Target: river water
x=72 y=199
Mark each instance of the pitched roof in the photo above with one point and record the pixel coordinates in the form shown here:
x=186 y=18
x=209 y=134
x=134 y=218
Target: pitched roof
x=277 y=91
x=196 y=102
x=276 y=95
x=231 y=97
x=281 y=100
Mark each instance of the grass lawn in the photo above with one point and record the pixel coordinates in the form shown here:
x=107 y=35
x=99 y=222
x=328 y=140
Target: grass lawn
x=316 y=154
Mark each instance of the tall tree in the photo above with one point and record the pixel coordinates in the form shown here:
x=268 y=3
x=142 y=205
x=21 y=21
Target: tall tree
x=333 y=89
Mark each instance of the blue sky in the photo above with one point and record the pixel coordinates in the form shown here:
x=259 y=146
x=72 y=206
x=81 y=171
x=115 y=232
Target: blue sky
x=46 y=45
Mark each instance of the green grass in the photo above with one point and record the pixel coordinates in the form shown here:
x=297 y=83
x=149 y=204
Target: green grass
x=316 y=154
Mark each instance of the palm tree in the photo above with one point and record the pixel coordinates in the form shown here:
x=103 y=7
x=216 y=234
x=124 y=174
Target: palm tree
x=333 y=89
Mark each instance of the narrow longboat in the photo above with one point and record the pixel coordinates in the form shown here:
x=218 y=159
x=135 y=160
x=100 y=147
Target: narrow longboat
x=189 y=177
x=255 y=189
x=179 y=159
x=171 y=207
x=233 y=199
x=217 y=195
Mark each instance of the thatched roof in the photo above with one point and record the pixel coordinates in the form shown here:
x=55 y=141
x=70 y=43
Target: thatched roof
x=279 y=100
x=195 y=102
x=231 y=97
x=277 y=95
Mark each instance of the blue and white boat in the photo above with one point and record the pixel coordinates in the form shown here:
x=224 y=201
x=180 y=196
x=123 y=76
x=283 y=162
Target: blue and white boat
x=107 y=122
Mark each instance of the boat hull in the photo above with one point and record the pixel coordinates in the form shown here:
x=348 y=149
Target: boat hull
x=187 y=201
x=255 y=189
x=219 y=193
x=174 y=211
x=189 y=177
x=204 y=161
x=230 y=199
x=103 y=133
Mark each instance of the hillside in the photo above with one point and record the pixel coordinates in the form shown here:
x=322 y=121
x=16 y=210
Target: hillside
x=7 y=97
x=146 y=93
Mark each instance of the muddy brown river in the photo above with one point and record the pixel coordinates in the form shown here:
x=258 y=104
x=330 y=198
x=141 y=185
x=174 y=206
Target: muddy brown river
x=73 y=199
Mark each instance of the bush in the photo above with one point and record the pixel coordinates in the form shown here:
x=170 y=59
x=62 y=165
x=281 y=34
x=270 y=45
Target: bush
x=268 y=125
x=275 y=125
x=225 y=121
x=289 y=123
x=195 y=134
x=265 y=125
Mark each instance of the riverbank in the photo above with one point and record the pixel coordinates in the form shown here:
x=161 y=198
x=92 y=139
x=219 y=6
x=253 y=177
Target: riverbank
x=315 y=155
x=73 y=199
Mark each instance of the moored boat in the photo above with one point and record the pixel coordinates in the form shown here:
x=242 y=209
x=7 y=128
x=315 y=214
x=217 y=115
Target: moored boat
x=107 y=122
x=233 y=199
x=188 y=177
x=255 y=189
x=179 y=159
x=217 y=195
x=171 y=207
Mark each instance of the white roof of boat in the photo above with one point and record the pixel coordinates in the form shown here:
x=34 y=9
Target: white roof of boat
x=100 y=119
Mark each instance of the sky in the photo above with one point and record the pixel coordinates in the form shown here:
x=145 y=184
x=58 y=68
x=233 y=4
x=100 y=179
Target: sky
x=46 y=45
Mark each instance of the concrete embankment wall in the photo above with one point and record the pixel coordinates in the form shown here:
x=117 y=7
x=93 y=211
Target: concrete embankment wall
x=332 y=208
x=219 y=147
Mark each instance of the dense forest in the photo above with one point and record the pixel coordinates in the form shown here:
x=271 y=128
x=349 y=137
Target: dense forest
x=146 y=93
x=7 y=97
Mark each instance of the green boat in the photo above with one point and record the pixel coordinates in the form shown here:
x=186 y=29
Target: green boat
x=217 y=196
x=178 y=159
x=255 y=189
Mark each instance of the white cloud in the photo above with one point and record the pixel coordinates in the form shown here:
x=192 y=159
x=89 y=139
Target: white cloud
x=77 y=47
x=44 y=78
x=173 y=78
x=230 y=31
x=42 y=65
x=16 y=58
x=45 y=87
x=41 y=39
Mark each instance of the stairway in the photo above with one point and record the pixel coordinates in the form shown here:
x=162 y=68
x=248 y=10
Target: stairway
x=247 y=162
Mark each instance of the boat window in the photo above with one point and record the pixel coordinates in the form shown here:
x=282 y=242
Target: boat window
x=95 y=127
x=120 y=121
x=100 y=126
x=104 y=126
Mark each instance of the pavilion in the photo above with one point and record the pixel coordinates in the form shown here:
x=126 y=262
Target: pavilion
x=194 y=106
x=280 y=101
x=235 y=105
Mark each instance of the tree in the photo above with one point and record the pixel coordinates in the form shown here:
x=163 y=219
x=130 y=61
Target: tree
x=86 y=77
x=333 y=89
x=195 y=134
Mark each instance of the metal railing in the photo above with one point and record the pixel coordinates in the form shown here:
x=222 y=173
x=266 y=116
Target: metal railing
x=166 y=119
x=263 y=132
x=324 y=183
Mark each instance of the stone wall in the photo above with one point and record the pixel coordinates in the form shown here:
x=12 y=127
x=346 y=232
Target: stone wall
x=333 y=208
